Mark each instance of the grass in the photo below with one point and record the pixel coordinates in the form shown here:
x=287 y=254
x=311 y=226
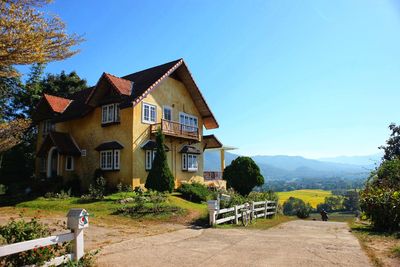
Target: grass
x=260 y=224
x=312 y=196
x=105 y=211
x=382 y=248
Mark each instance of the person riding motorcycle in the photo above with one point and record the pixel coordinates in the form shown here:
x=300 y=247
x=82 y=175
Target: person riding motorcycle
x=324 y=215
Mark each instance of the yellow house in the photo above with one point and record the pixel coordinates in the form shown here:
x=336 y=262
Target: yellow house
x=111 y=127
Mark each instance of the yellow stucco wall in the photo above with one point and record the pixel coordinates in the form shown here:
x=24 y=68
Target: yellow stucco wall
x=131 y=133
x=170 y=93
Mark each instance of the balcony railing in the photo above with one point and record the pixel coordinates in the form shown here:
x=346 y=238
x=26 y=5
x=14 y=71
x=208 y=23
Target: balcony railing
x=212 y=175
x=172 y=128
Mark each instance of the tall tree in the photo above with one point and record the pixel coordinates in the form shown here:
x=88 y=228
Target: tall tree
x=160 y=177
x=243 y=175
x=392 y=147
x=29 y=36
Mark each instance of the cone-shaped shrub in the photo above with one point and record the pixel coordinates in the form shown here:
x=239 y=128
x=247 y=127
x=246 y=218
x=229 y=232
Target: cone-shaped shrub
x=160 y=177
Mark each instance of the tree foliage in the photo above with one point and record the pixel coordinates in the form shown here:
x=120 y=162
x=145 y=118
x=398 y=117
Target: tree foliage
x=243 y=175
x=392 y=147
x=380 y=200
x=296 y=207
x=160 y=177
x=29 y=36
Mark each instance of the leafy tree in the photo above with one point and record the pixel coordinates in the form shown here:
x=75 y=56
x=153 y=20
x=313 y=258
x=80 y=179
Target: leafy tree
x=392 y=147
x=27 y=98
x=296 y=207
x=351 y=201
x=31 y=36
x=160 y=177
x=243 y=175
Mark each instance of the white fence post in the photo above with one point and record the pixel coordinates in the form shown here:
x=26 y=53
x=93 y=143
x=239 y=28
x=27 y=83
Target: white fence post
x=236 y=215
x=266 y=209
x=212 y=211
x=252 y=209
x=77 y=221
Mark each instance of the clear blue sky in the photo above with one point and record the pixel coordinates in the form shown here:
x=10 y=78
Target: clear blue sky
x=310 y=78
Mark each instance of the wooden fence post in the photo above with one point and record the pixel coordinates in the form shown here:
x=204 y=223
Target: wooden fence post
x=212 y=211
x=78 y=244
x=252 y=209
x=266 y=209
x=236 y=215
x=77 y=220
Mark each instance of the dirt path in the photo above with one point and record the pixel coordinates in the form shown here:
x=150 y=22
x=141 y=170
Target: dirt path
x=296 y=243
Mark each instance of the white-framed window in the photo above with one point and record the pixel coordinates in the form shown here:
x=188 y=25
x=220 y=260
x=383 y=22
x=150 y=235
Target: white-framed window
x=184 y=162
x=83 y=152
x=69 y=163
x=189 y=122
x=150 y=155
x=189 y=162
x=117 y=159
x=149 y=113
x=110 y=113
x=48 y=126
x=110 y=159
x=167 y=113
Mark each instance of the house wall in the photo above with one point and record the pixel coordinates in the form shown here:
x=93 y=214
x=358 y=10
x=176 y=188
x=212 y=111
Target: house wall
x=171 y=93
x=131 y=133
x=88 y=134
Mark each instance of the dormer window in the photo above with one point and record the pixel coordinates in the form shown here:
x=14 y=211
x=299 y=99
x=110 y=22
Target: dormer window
x=110 y=113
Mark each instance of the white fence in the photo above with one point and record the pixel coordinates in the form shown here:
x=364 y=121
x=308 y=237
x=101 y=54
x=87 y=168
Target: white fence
x=77 y=221
x=259 y=209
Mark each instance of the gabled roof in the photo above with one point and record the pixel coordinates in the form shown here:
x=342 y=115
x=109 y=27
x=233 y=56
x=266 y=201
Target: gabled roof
x=131 y=90
x=57 y=104
x=190 y=150
x=152 y=145
x=122 y=85
x=62 y=141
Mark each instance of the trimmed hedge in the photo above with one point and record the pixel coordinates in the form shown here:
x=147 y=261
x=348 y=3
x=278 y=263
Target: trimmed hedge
x=194 y=192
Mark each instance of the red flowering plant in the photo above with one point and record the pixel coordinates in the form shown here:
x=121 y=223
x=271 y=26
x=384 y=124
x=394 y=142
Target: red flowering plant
x=20 y=230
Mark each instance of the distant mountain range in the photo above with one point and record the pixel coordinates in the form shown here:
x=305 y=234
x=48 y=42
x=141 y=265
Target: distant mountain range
x=283 y=167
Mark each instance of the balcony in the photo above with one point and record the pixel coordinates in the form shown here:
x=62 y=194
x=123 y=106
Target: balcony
x=212 y=175
x=176 y=129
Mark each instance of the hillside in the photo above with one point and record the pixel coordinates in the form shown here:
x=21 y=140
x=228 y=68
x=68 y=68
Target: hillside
x=283 y=167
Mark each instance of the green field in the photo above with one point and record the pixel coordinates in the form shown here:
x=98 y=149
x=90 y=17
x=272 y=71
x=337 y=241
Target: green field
x=312 y=196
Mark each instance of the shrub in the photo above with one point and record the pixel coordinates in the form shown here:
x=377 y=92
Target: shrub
x=160 y=177
x=243 y=175
x=61 y=195
x=3 y=189
x=194 y=192
x=21 y=230
x=124 y=188
x=97 y=190
x=382 y=207
x=295 y=206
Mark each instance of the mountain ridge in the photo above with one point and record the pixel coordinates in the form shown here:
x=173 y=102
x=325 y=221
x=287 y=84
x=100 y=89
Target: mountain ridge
x=283 y=167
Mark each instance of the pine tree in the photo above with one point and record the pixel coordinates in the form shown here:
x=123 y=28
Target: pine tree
x=160 y=177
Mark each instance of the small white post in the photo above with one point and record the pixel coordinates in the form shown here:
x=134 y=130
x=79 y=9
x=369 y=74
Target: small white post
x=236 y=215
x=77 y=220
x=252 y=209
x=212 y=211
x=78 y=244
x=266 y=209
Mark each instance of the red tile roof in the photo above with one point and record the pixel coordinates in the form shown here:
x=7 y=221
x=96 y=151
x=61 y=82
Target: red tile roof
x=122 y=85
x=58 y=104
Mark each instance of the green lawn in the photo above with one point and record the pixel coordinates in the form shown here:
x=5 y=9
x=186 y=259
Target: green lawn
x=260 y=224
x=105 y=210
x=335 y=217
x=312 y=196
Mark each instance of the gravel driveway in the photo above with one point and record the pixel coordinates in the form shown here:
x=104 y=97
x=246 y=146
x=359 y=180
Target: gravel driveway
x=295 y=243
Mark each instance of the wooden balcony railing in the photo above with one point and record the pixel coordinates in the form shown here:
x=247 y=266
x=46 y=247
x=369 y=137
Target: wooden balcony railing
x=212 y=175
x=172 y=128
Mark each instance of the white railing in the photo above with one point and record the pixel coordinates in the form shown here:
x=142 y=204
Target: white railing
x=77 y=220
x=259 y=209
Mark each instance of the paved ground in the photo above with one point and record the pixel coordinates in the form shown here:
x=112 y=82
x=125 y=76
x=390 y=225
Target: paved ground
x=296 y=243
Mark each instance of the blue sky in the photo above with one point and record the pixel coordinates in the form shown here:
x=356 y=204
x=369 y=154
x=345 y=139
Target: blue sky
x=310 y=78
